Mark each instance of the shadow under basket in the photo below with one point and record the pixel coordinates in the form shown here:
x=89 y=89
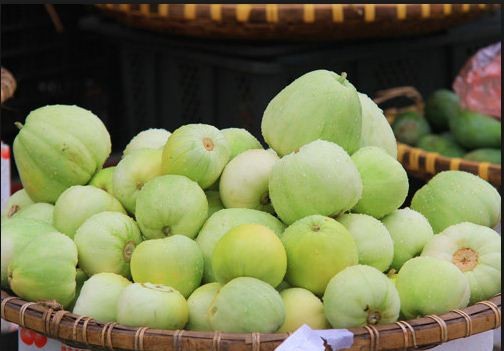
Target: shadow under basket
x=424 y=164
x=51 y=320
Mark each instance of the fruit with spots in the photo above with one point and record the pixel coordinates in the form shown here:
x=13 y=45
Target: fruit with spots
x=16 y=203
x=39 y=211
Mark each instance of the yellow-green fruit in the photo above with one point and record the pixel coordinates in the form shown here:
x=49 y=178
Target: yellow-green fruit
x=39 y=211
x=78 y=203
x=410 y=232
x=361 y=295
x=45 y=269
x=453 y=197
x=59 y=146
x=103 y=179
x=318 y=105
x=152 y=305
x=317 y=248
x=197 y=151
x=302 y=307
x=240 y=140
x=384 y=182
x=476 y=251
x=429 y=285
x=250 y=250
x=199 y=303
x=153 y=138
x=16 y=202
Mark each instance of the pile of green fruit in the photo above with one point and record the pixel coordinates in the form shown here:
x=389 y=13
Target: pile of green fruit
x=449 y=130
x=204 y=229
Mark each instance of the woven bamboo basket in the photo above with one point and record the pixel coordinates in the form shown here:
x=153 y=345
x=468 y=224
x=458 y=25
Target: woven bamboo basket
x=8 y=85
x=295 y=21
x=79 y=331
x=424 y=164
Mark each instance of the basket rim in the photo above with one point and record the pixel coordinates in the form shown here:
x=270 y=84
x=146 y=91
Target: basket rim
x=49 y=319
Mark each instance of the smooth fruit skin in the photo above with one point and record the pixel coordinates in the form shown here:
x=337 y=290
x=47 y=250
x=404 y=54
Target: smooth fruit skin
x=474 y=130
x=171 y=204
x=103 y=179
x=59 y=146
x=250 y=250
x=410 y=232
x=453 y=197
x=361 y=295
x=16 y=234
x=244 y=180
x=320 y=178
x=317 y=248
x=246 y=305
x=214 y=202
x=153 y=138
x=105 y=243
x=302 y=307
x=197 y=151
x=132 y=172
x=98 y=296
x=221 y=222
x=45 y=269
x=39 y=211
x=78 y=203
x=175 y=261
x=476 y=250
x=198 y=304
x=409 y=127
x=442 y=106
x=373 y=240
x=16 y=202
x=428 y=285
x=384 y=182
x=80 y=279
x=240 y=140
x=318 y=105
x=153 y=306
x=376 y=130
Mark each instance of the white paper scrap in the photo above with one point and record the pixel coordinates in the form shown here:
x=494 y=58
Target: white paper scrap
x=307 y=339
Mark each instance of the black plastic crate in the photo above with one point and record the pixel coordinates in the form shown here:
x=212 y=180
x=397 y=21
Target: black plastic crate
x=168 y=81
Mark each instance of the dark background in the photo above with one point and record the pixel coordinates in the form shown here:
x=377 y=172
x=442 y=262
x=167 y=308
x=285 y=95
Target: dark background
x=134 y=79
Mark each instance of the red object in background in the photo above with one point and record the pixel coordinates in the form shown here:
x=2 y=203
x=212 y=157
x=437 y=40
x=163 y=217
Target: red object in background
x=27 y=336
x=479 y=82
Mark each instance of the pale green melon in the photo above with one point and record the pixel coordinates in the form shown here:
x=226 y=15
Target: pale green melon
x=40 y=211
x=224 y=220
x=384 y=182
x=214 y=201
x=317 y=248
x=250 y=250
x=106 y=241
x=361 y=295
x=246 y=305
x=429 y=285
x=45 y=269
x=318 y=105
x=453 y=197
x=376 y=130
x=240 y=140
x=320 y=178
x=171 y=204
x=16 y=233
x=16 y=202
x=132 y=172
x=175 y=261
x=373 y=240
x=302 y=307
x=59 y=146
x=99 y=295
x=80 y=279
x=103 y=179
x=410 y=232
x=197 y=151
x=244 y=181
x=78 y=203
x=152 y=305
x=476 y=251
x=153 y=138
x=198 y=304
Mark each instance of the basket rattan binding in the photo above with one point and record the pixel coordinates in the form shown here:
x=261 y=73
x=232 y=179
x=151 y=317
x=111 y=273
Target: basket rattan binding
x=425 y=164
x=84 y=332
x=8 y=84
x=295 y=21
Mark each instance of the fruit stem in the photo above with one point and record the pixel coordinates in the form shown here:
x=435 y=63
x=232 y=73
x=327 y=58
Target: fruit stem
x=342 y=77
x=19 y=125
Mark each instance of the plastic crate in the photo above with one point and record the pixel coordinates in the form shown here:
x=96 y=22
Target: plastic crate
x=168 y=81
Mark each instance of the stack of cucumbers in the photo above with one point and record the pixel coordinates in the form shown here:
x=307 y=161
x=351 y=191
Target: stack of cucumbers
x=449 y=130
